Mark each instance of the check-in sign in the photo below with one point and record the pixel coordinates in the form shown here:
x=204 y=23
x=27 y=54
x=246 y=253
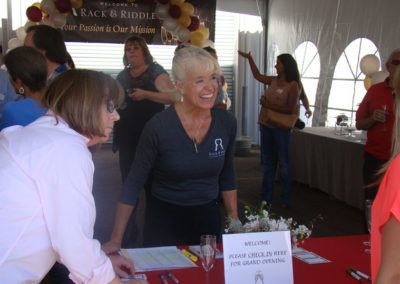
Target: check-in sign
x=258 y=258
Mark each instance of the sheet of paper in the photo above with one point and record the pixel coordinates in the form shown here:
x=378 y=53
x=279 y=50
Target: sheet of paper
x=158 y=258
x=308 y=256
x=196 y=251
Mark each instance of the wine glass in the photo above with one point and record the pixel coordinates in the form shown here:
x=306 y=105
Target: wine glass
x=208 y=247
x=368 y=206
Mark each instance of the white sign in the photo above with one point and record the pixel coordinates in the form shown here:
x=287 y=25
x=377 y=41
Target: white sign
x=258 y=258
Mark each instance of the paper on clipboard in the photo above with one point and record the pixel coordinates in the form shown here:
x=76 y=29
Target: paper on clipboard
x=158 y=258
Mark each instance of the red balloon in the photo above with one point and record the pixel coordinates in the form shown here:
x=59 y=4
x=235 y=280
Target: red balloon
x=194 y=23
x=64 y=6
x=163 y=1
x=34 y=14
x=175 y=11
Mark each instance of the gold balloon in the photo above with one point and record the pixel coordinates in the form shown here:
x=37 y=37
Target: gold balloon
x=204 y=31
x=367 y=82
x=177 y=2
x=184 y=21
x=36 y=4
x=187 y=8
x=76 y=3
x=197 y=38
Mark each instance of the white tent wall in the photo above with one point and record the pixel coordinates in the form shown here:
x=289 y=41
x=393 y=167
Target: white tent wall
x=331 y=25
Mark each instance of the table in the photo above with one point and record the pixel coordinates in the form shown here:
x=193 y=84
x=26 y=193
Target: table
x=329 y=162
x=343 y=252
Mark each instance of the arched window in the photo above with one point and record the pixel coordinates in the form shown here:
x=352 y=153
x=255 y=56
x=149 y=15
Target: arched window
x=308 y=62
x=347 y=89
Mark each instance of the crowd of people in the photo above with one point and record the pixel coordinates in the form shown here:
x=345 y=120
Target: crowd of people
x=177 y=161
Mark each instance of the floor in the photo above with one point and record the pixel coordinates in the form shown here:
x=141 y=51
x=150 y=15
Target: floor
x=338 y=219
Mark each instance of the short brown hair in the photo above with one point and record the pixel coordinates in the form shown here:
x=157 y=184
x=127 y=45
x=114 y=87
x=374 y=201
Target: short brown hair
x=77 y=95
x=148 y=58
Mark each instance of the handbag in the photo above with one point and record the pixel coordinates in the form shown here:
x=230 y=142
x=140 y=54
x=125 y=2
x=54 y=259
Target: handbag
x=285 y=121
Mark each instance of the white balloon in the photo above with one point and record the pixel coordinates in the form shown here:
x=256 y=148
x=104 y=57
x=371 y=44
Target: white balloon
x=47 y=21
x=183 y=34
x=378 y=77
x=13 y=43
x=21 y=33
x=162 y=11
x=209 y=43
x=58 y=19
x=47 y=6
x=29 y=24
x=170 y=24
x=369 y=64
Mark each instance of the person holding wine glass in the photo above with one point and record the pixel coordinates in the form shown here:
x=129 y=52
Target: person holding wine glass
x=385 y=229
x=375 y=115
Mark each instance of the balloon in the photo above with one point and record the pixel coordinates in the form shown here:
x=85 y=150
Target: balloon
x=367 y=82
x=184 y=21
x=28 y=24
x=163 y=2
x=174 y=11
x=197 y=38
x=183 y=34
x=47 y=21
x=76 y=3
x=13 y=43
x=21 y=33
x=187 y=8
x=204 y=31
x=177 y=2
x=378 y=77
x=34 y=14
x=47 y=6
x=64 y=6
x=58 y=19
x=162 y=11
x=194 y=23
x=369 y=64
x=36 y=4
x=170 y=24
x=209 y=43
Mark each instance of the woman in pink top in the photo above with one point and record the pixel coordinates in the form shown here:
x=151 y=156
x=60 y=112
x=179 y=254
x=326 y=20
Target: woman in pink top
x=385 y=231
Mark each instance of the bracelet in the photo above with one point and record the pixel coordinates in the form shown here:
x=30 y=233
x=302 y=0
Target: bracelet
x=116 y=252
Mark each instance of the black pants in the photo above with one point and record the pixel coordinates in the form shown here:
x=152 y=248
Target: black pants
x=167 y=224
x=371 y=166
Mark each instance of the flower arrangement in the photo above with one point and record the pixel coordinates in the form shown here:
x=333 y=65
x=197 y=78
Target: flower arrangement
x=263 y=221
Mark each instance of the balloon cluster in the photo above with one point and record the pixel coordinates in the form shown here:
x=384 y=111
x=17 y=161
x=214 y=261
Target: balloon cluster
x=177 y=18
x=48 y=12
x=369 y=65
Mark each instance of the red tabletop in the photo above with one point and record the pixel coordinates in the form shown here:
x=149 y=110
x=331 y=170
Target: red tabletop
x=343 y=252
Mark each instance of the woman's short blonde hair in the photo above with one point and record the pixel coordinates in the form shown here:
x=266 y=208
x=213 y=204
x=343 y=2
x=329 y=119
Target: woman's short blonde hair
x=78 y=97
x=187 y=59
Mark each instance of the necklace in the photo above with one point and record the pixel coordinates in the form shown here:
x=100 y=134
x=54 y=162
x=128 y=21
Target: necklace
x=197 y=131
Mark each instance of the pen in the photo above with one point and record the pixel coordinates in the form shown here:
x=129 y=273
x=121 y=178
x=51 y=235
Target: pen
x=360 y=273
x=163 y=280
x=351 y=273
x=189 y=255
x=170 y=275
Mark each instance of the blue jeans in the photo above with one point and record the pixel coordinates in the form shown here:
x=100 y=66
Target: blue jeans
x=275 y=140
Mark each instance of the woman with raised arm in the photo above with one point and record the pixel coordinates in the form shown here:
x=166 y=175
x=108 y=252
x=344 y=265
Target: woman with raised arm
x=47 y=210
x=187 y=151
x=282 y=96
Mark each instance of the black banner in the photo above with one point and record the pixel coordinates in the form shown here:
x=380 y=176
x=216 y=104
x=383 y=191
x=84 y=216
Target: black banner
x=113 y=21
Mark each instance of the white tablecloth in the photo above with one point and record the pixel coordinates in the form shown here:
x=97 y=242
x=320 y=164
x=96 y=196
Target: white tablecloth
x=329 y=162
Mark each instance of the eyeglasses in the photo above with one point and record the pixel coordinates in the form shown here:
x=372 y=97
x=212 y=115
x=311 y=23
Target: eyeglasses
x=110 y=106
x=395 y=62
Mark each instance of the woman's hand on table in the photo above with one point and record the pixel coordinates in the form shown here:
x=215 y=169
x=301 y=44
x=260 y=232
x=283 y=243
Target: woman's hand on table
x=123 y=266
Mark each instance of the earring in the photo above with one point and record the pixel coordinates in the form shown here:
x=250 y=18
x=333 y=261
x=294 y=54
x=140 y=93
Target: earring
x=21 y=90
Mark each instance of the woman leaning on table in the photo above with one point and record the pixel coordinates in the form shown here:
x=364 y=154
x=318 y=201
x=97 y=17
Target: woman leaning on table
x=188 y=151
x=385 y=230
x=282 y=96
x=47 y=211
